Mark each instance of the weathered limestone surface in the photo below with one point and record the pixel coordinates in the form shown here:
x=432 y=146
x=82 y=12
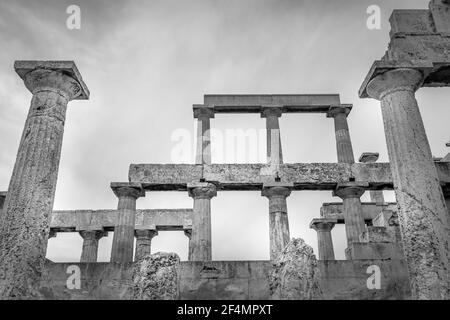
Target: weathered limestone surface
x=296 y=275
x=2 y=199
x=155 y=277
x=200 y=240
x=423 y=215
x=24 y=226
x=304 y=176
x=334 y=210
x=277 y=192
x=162 y=219
x=343 y=142
x=123 y=240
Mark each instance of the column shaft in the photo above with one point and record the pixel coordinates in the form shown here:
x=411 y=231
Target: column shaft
x=274 y=151
x=343 y=142
x=90 y=245
x=354 y=221
x=203 y=140
x=201 y=221
x=423 y=215
x=144 y=242
x=325 y=241
x=24 y=227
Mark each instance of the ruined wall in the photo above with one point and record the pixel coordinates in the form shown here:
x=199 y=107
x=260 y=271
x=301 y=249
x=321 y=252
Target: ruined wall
x=224 y=280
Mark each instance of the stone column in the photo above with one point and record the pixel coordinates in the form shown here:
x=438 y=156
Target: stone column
x=203 y=114
x=90 y=244
x=343 y=142
x=144 y=242
x=350 y=193
x=123 y=240
x=422 y=212
x=372 y=157
x=325 y=241
x=277 y=193
x=188 y=233
x=202 y=193
x=24 y=227
x=274 y=150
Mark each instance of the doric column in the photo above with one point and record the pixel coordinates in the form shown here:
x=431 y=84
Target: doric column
x=188 y=233
x=422 y=212
x=123 y=240
x=325 y=241
x=372 y=157
x=144 y=242
x=350 y=193
x=24 y=226
x=202 y=193
x=90 y=244
x=343 y=142
x=203 y=114
x=277 y=193
x=274 y=151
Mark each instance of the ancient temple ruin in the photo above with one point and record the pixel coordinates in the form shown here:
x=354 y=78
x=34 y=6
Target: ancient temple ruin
x=394 y=250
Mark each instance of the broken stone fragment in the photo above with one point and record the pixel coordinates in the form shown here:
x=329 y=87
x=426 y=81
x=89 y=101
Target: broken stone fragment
x=155 y=277
x=295 y=274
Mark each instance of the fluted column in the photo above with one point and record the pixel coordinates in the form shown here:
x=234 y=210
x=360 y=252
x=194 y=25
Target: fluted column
x=123 y=240
x=350 y=193
x=203 y=114
x=24 y=227
x=202 y=193
x=144 y=242
x=188 y=233
x=274 y=150
x=278 y=217
x=325 y=241
x=90 y=244
x=423 y=216
x=343 y=142
x=372 y=157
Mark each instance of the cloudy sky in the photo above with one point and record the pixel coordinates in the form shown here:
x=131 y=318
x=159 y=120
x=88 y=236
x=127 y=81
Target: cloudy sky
x=147 y=62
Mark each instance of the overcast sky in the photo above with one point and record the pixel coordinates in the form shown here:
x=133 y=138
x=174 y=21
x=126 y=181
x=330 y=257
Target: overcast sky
x=147 y=62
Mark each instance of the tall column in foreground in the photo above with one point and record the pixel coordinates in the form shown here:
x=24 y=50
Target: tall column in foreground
x=200 y=241
x=277 y=193
x=343 y=142
x=24 y=227
x=123 y=240
x=203 y=114
x=90 y=244
x=372 y=157
x=350 y=193
x=423 y=216
x=274 y=151
x=325 y=241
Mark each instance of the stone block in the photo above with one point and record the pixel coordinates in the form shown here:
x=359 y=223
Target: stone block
x=371 y=251
x=378 y=235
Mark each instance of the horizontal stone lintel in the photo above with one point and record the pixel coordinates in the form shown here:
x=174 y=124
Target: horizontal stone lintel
x=290 y=103
x=251 y=177
x=334 y=210
x=159 y=219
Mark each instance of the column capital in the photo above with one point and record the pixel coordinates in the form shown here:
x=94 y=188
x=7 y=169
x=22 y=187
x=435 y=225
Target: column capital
x=348 y=190
x=339 y=109
x=271 y=110
x=145 y=233
x=202 y=190
x=188 y=233
x=93 y=234
x=369 y=157
x=401 y=79
x=322 y=225
x=62 y=77
x=52 y=234
x=128 y=189
x=277 y=189
x=203 y=111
